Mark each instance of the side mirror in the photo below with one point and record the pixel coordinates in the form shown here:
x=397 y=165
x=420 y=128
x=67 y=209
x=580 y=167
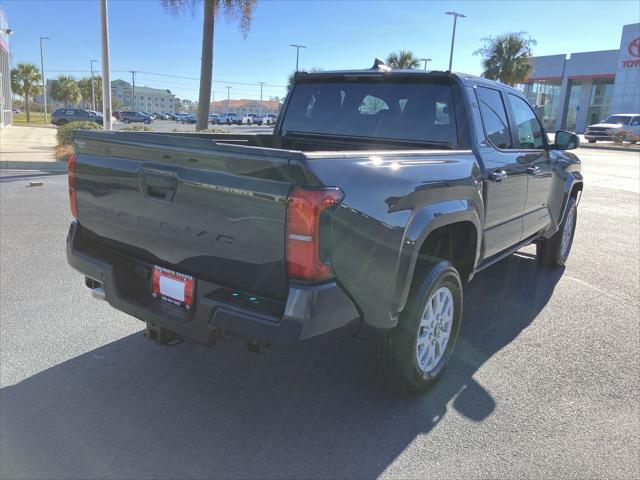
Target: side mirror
x=566 y=140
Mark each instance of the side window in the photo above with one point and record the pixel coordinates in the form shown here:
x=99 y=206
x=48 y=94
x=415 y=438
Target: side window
x=494 y=117
x=635 y=121
x=70 y=112
x=529 y=130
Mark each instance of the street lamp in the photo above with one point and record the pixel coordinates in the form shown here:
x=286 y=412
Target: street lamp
x=261 y=84
x=425 y=60
x=44 y=86
x=297 y=47
x=453 y=35
x=228 y=92
x=93 y=92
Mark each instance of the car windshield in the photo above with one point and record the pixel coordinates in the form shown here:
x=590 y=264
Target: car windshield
x=618 y=120
x=420 y=112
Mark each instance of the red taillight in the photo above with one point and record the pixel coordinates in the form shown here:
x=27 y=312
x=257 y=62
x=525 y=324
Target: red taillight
x=304 y=213
x=73 y=199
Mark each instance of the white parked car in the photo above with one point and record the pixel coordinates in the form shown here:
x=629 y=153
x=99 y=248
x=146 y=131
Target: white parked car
x=234 y=118
x=628 y=122
x=268 y=119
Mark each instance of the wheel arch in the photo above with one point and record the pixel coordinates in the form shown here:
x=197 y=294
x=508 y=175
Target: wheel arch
x=451 y=230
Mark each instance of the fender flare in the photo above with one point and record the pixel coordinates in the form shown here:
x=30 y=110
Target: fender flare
x=573 y=179
x=424 y=221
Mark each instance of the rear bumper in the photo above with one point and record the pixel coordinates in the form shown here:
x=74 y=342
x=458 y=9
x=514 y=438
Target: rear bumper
x=310 y=310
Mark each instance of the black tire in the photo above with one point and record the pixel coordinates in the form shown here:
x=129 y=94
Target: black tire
x=549 y=251
x=126 y=120
x=396 y=352
x=146 y=121
x=591 y=141
x=62 y=122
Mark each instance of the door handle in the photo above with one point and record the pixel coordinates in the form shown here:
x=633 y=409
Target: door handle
x=533 y=170
x=498 y=175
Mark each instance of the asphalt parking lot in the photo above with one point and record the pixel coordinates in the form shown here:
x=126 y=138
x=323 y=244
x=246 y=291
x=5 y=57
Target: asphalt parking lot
x=544 y=384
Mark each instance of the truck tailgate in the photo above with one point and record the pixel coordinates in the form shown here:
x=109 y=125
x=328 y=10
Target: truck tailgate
x=214 y=211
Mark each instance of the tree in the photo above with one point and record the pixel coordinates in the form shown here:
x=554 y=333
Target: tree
x=25 y=79
x=507 y=57
x=241 y=10
x=65 y=89
x=84 y=85
x=402 y=60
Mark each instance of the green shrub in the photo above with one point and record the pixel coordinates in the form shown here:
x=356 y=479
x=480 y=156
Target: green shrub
x=137 y=128
x=64 y=133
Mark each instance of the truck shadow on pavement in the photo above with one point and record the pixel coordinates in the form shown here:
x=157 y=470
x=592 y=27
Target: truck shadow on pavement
x=131 y=409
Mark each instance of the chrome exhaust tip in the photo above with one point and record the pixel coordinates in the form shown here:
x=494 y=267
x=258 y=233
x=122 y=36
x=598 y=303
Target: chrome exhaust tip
x=98 y=293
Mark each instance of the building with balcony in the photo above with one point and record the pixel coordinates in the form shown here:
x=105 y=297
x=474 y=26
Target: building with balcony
x=5 y=72
x=146 y=99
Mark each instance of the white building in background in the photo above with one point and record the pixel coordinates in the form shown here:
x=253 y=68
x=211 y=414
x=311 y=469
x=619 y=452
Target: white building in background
x=147 y=99
x=572 y=92
x=5 y=72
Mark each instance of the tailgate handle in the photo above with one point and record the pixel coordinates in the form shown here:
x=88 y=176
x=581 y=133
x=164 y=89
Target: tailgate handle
x=159 y=186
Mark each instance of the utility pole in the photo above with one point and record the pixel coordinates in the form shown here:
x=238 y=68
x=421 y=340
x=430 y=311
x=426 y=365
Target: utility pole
x=261 y=84
x=453 y=35
x=44 y=82
x=228 y=90
x=425 y=60
x=94 y=106
x=297 y=47
x=133 y=89
x=106 y=73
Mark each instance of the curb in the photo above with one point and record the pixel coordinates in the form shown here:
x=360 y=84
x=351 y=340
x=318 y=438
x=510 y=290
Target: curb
x=55 y=166
x=617 y=149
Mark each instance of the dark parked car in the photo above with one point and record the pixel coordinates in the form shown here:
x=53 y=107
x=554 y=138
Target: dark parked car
x=379 y=194
x=131 y=117
x=62 y=116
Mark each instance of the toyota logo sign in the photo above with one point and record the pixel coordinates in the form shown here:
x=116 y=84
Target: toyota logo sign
x=634 y=47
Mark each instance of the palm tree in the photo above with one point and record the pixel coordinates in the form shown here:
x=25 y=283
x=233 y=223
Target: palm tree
x=240 y=10
x=25 y=81
x=65 y=89
x=402 y=60
x=507 y=57
x=84 y=85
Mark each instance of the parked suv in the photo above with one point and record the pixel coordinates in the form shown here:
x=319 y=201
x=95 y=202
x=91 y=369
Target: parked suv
x=65 y=115
x=620 y=122
x=131 y=117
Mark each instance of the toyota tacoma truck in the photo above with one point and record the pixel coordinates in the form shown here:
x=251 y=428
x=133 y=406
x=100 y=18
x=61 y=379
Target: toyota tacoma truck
x=378 y=195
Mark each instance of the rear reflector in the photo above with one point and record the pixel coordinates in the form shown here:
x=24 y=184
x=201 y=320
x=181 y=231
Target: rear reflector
x=73 y=199
x=304 y=212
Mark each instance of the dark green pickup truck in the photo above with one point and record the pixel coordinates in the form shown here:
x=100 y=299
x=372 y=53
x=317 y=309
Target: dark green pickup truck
x=377 y=196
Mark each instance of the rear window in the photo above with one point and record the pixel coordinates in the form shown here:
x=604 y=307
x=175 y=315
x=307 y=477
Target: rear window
x=422 y=112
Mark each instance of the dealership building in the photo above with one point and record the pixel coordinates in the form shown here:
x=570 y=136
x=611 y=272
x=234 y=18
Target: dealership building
x=580 y=89
x=5 y=72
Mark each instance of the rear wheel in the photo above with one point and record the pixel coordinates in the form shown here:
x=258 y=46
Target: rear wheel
x=554 y=251
x=591 y=141
x=126 y=120
x=413 y=356
x=147 y=121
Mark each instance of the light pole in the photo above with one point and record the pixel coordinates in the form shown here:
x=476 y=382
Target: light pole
x=228 y=91
x=133 y=90
x=44 y=84
x=93 y=91
x=453 y=35
x=261 y=84
x=106 y=73
x=297 y=47
x=425 y=60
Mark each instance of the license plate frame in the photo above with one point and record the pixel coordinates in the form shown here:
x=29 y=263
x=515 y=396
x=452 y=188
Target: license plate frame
x=173 y=287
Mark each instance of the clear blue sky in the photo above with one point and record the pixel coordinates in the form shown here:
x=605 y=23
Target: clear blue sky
x=339 y=34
